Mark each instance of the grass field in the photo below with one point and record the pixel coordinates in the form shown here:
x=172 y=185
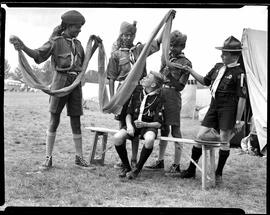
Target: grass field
x=26 y=118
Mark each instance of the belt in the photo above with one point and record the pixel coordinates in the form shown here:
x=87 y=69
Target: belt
x=168 y=86
x=71 y=73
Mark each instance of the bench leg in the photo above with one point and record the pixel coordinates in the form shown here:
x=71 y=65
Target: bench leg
x=104 y=136
x=204 y=167
x=212 y=167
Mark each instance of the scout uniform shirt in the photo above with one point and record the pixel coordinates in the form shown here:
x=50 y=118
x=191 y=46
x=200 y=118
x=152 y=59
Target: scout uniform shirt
x=152 y=111
x=175 y=82
x=176 y=76
x=123 y=59
x=231 y=83
x=67 y=56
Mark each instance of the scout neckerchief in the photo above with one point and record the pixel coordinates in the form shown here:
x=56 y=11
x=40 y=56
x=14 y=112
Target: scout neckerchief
x=219 y=77
x=131 y=54
x=73 y=50
x=142 y=106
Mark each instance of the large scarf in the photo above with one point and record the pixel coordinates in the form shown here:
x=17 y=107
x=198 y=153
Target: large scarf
x=32 y=80
x=125 y=90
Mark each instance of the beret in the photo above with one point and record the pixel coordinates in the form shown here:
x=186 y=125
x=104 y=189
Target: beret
x=73 y=17
x=128 y=28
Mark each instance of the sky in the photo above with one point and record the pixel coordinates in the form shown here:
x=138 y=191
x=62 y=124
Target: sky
x=205 y=29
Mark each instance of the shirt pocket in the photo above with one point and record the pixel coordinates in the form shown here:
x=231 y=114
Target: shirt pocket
x=78 y=59
x=124 y=62
x=227 y=83
x=64 y=60
x=124 y=66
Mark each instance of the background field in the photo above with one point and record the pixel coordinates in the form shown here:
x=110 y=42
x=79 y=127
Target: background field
x=26 y=118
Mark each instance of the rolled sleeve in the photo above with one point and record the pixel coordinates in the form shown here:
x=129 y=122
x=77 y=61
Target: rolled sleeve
x=241 y=87
x=44 y=52
x=208 y=78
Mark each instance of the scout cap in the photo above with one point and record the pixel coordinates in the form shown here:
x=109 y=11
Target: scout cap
x=128 y=28
x=73 y=17
x=231 y=44
x=177 y=38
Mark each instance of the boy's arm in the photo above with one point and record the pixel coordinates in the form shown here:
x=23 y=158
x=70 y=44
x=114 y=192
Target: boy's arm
x=111 y=87
x=240 y=110
x=197 y=76
x=130 y=128
x=241 y=92
x=19 y=45
x=141 y=124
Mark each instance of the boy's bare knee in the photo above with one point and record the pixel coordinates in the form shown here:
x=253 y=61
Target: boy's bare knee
x=149 y=143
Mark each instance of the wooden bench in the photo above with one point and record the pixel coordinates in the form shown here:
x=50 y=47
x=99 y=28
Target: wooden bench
x=206 y=146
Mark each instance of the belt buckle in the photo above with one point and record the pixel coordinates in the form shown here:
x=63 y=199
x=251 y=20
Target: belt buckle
x=72 y=73
x=167 y=86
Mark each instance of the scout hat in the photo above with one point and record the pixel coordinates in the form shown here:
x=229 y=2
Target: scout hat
x=128 y=28
x=178 y=38
x=73 y=17
x=231 y=44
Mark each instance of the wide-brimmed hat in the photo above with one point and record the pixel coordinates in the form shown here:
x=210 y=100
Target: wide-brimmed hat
x=231 y=44
x=73 y=17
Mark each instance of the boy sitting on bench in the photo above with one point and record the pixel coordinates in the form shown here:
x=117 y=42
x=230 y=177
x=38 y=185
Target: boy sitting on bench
x=144 y=117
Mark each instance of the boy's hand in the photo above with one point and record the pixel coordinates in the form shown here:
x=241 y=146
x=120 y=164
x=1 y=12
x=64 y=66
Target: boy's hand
x=130 y=130
x=187 y=68
x=238 y=127
x=171 y=12
x=139 y=124
x=16 y=41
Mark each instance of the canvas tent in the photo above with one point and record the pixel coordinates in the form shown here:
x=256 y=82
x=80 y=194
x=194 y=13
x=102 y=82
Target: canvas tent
x=255 y=63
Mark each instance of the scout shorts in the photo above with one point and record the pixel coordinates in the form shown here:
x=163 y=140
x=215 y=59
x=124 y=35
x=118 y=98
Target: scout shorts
x=221 y=113
x=139 y=132
x=73 y=101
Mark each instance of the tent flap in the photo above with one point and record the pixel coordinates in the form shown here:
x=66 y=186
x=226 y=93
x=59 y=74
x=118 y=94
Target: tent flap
x=255 y=61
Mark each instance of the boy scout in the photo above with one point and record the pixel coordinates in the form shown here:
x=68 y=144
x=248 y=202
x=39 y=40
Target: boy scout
x=123 y=57
x=67 y=56
x=144 y=117
x=176 y=80
x=226 y=81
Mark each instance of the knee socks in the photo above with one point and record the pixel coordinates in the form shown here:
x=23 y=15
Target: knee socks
x=145 y=153
x=50 y=139
x=122 y=152
x=223 y=155
x=195 y=155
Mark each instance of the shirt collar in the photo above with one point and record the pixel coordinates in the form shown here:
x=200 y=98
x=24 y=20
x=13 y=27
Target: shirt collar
x=176 y=56
x=234 y=64
x=151 y=93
